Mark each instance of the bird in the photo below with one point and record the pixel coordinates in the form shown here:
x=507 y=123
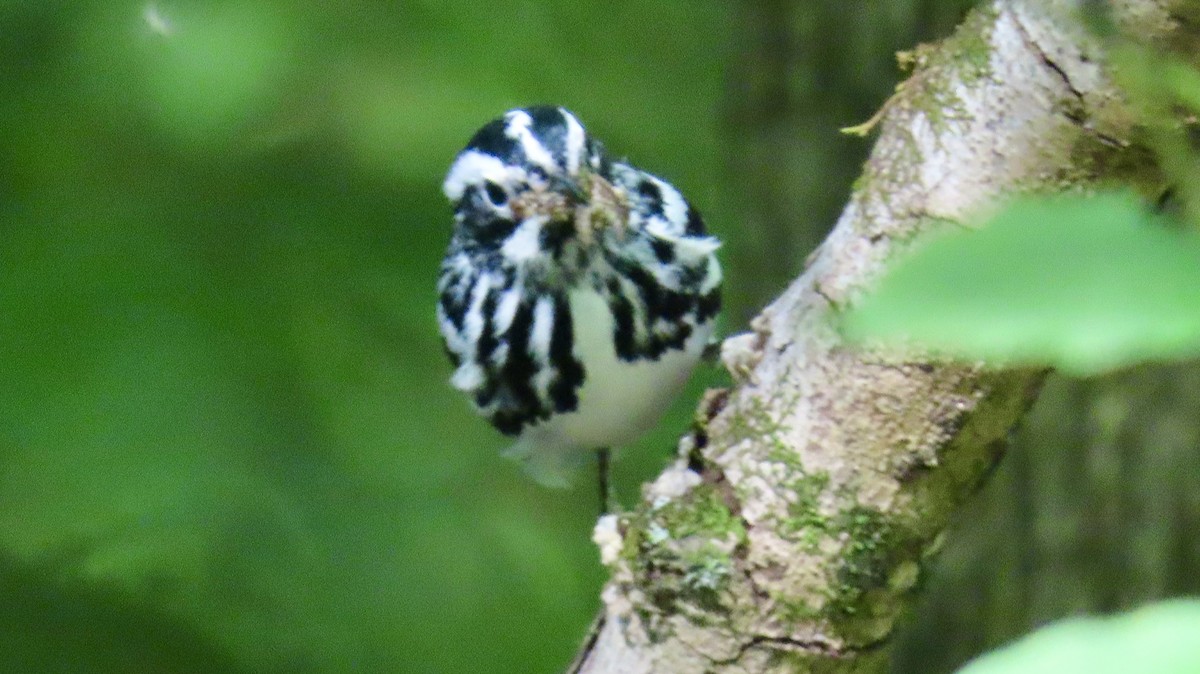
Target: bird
x=577 y=292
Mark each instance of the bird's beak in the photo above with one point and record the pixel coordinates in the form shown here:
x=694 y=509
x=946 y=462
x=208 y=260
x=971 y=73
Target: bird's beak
x=572 y=188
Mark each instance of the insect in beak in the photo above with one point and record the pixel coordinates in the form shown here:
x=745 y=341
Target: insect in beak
x=605 y=208
x=572 y=188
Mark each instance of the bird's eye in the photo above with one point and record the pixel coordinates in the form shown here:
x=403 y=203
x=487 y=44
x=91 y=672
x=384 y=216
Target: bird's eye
x=495 y=193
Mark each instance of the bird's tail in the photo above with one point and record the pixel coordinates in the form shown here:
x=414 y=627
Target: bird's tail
x=552 y=466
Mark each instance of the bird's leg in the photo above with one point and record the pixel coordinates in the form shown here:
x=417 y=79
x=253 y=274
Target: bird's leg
x=607 y=503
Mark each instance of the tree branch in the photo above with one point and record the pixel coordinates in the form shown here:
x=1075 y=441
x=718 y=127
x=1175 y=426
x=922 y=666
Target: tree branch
x=792 y=530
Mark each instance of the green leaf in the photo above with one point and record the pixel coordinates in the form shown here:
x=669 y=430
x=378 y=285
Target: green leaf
x=1084 y=284
x=1159 y=639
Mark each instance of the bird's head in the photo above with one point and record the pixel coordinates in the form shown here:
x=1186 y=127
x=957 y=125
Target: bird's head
x=532 y=184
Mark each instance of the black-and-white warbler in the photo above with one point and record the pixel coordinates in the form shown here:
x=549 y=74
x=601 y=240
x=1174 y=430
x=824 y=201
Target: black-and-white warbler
x=577 y=294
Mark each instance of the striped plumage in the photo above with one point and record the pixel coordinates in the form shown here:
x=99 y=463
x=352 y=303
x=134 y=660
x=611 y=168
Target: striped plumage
x=577 y=292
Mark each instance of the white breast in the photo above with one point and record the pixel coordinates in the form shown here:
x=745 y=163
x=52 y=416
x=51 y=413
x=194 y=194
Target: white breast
x=618 y=401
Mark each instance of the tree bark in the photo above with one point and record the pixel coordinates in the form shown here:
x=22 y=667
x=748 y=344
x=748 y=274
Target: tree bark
x=797 y=76
x=794 y=527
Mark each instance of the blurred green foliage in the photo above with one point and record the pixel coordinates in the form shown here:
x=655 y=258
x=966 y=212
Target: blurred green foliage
x=1158 y=639
x=226 y=442
x=1084 y=284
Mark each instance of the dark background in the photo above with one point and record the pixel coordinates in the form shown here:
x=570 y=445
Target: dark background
x=226 y=441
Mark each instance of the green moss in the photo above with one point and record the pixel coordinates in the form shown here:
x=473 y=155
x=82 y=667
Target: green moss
x=703 y=512
x=962 y=60
x=864 y=180
x=753 y=419
x=939 y=74
x=684 y=548
x=867 y=557
x=971 y=45
x=632 y=539
x=793 y=611
x=804 y=515
x=707 y=570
